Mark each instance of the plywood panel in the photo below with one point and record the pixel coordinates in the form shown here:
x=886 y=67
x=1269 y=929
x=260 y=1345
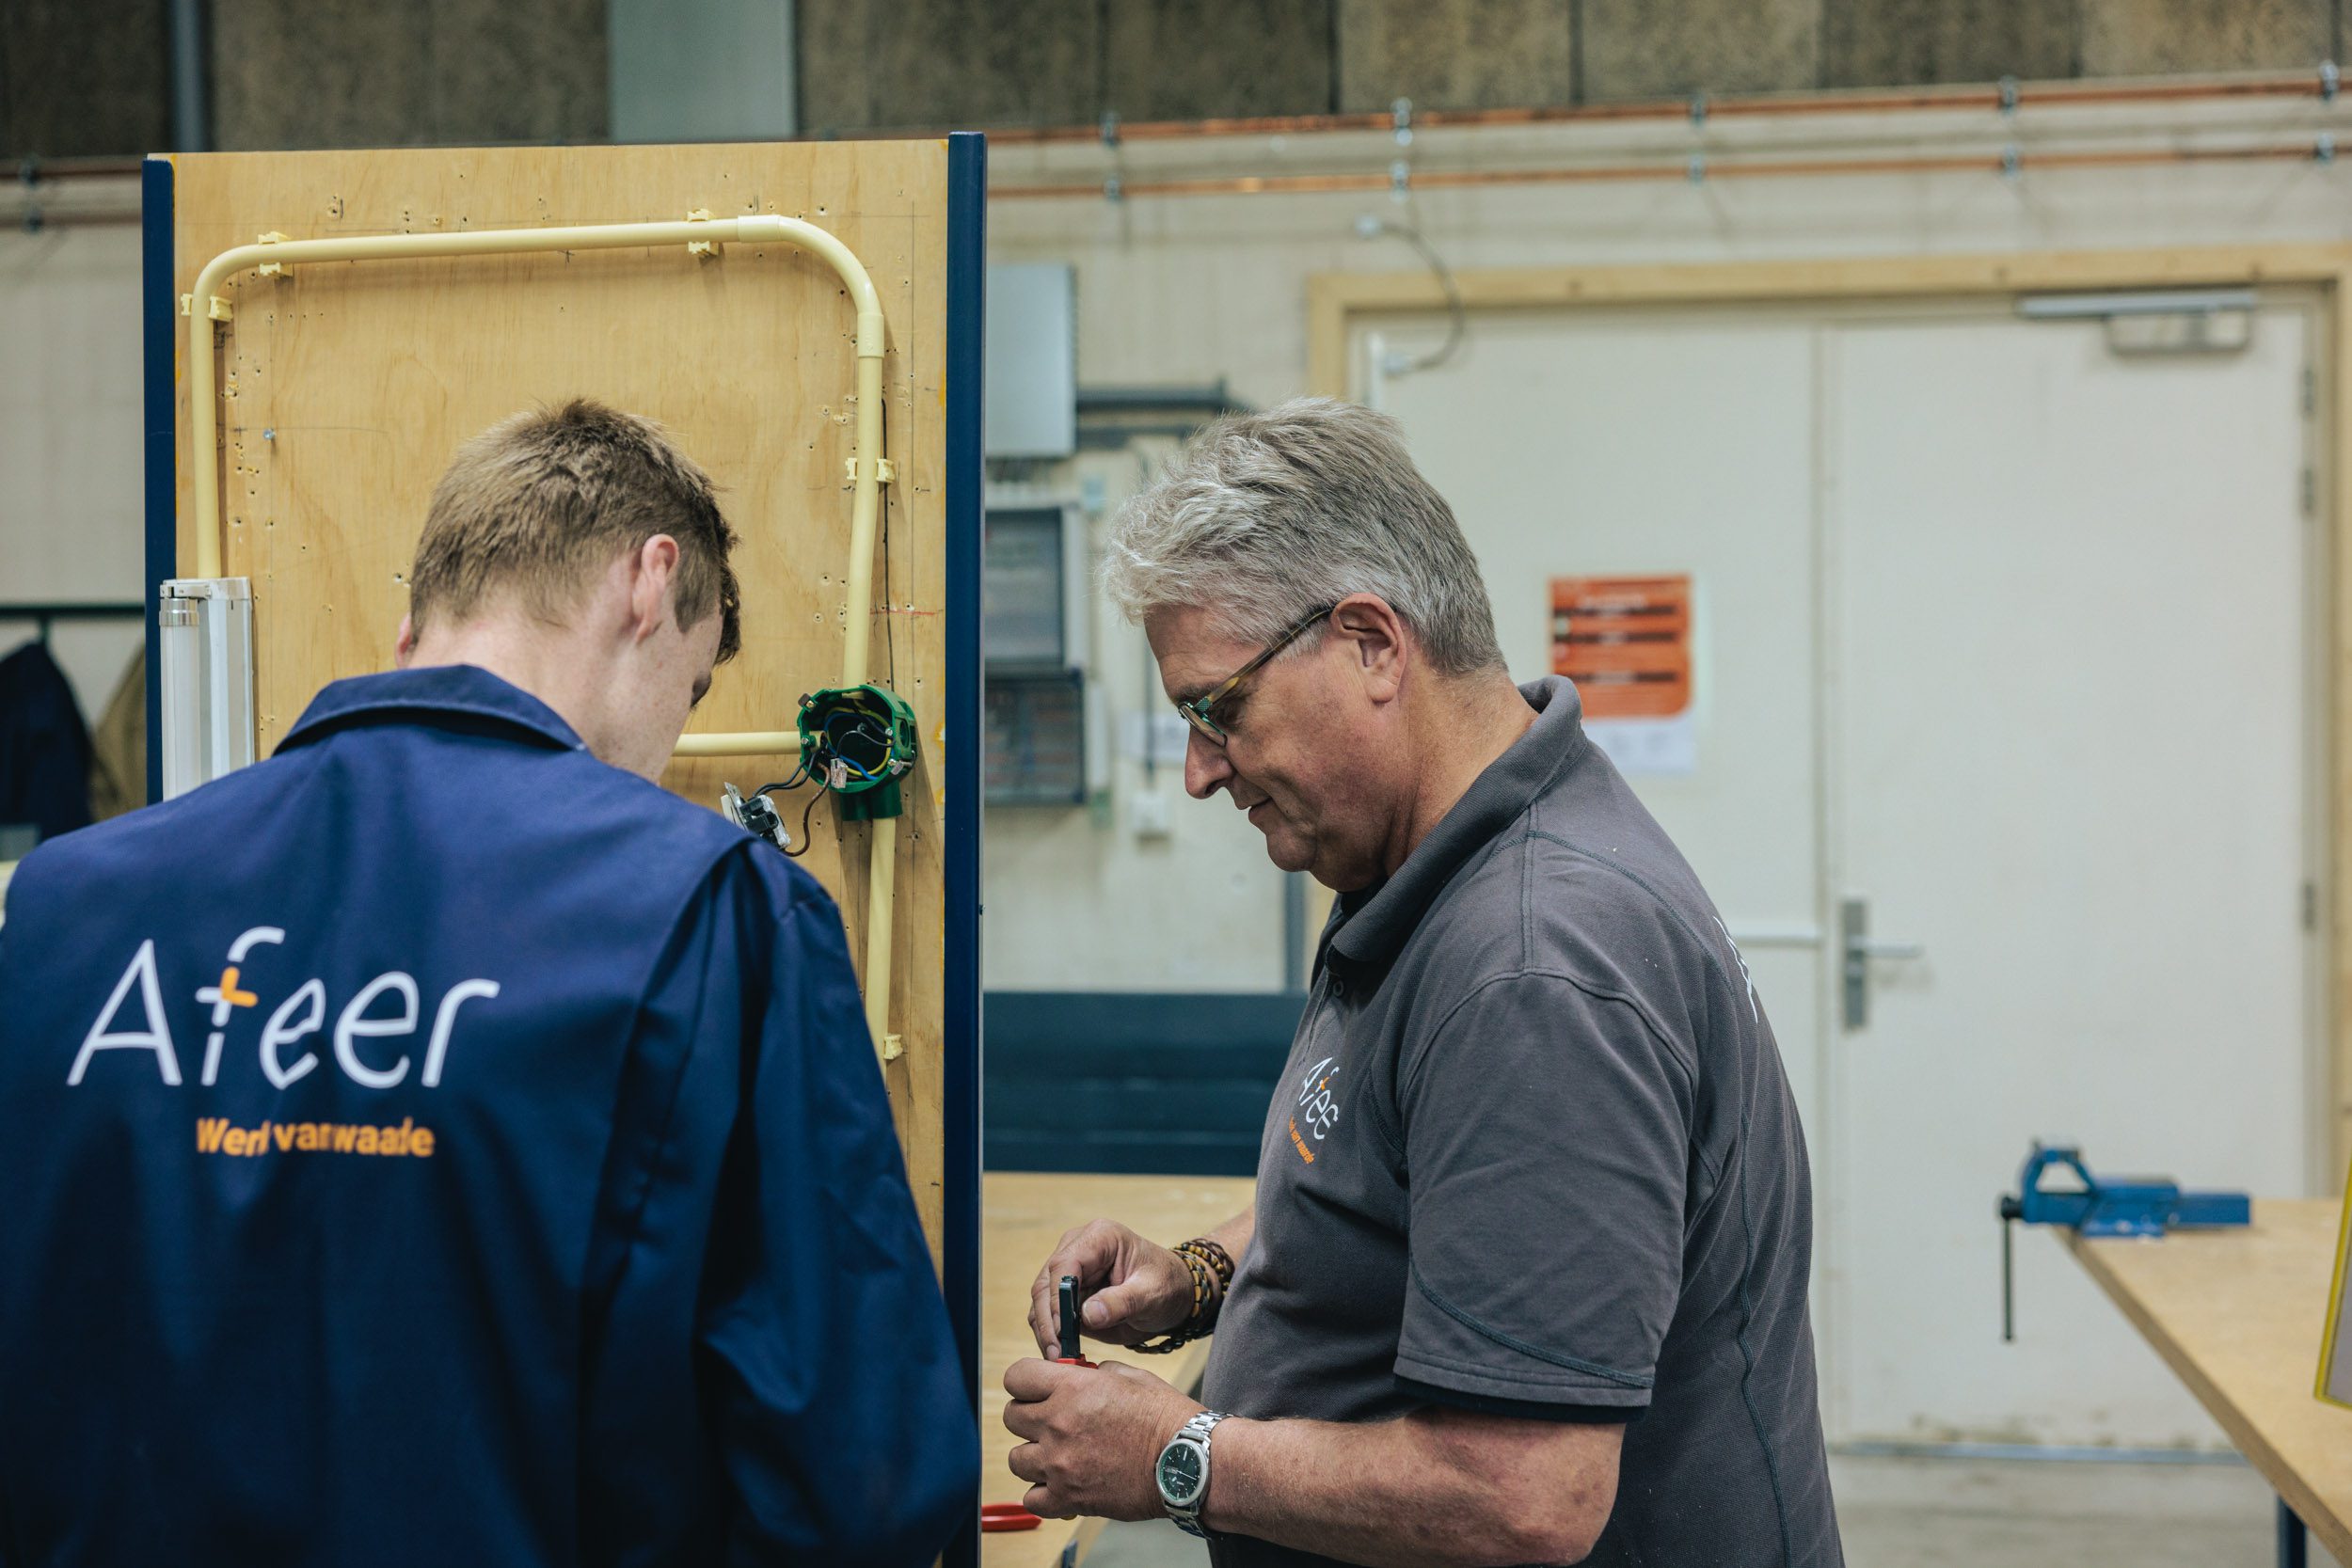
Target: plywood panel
x=346 y=387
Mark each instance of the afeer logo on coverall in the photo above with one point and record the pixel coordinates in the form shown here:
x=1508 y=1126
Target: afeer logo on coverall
x=364 y=1016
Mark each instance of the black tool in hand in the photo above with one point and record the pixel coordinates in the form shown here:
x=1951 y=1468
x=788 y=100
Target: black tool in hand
x=1071 y=1354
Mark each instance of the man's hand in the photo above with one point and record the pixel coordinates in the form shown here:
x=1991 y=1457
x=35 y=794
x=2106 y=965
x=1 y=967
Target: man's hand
x=1093 y=1434
x=1133 y=1289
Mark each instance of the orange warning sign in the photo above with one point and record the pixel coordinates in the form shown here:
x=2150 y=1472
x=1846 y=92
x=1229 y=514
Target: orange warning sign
x=1626 y=641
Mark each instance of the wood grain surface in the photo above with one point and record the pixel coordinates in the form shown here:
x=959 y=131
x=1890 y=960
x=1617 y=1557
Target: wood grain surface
x=2238 y=1315
x=1022 y=1218
x=345 y=387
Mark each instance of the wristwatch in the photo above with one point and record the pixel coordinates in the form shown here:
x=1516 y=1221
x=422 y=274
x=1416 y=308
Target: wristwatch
x=1182 y=1472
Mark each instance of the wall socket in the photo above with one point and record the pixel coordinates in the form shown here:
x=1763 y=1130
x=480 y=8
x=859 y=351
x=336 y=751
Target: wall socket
x=1148 y=811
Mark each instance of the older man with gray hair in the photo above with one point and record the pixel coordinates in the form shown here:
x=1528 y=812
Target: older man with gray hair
x=1525 y=1279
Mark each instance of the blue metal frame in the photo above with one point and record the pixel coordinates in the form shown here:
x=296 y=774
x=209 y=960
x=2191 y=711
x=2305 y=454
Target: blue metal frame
x=159 y=315
x=959 y=1128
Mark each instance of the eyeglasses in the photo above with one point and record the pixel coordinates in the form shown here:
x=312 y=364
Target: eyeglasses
x=1195 y=711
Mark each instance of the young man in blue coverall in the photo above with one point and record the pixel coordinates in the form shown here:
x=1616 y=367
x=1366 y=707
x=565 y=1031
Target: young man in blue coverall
x=440 y=1145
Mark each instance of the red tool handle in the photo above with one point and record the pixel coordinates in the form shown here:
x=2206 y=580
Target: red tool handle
x=1004 y=1517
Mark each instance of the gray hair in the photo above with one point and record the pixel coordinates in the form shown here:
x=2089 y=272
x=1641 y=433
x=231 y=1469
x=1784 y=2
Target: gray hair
x=1264 y=519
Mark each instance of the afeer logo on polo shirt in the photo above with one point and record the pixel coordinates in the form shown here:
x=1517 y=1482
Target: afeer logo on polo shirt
x=387 y=1008
x=1317 y=1109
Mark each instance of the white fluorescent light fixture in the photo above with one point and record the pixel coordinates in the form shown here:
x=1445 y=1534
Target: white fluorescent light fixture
x=2137 y=302
x=207 y=625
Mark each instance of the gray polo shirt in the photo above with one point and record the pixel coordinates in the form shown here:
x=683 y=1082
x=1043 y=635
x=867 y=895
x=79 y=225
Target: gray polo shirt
x=1534 y=1153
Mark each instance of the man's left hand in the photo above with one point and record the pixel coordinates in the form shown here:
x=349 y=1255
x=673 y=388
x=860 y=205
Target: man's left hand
x=1094 y=1436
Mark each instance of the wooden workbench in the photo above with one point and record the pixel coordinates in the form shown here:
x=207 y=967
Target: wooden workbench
x=1023 y=1216
x=2238 y=1314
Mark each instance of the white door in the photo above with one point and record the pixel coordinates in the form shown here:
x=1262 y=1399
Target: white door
x=2009 y=636
x=1642 y=443
x=2068 y=702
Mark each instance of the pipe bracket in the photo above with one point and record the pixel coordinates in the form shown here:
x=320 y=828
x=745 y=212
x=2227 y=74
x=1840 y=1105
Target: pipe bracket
x=885 y=471
x=218 y=309
x=706 y=249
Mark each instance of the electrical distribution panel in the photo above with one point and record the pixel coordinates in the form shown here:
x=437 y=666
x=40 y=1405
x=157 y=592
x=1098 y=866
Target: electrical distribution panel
x=1033 y=618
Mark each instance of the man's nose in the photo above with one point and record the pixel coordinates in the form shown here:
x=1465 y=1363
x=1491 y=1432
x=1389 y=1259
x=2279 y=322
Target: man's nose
x=1206 y=766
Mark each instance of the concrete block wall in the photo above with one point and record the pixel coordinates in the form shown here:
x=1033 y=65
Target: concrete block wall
x=84 y=78
x=874 y=63
x=290 y=73
x=92 y=76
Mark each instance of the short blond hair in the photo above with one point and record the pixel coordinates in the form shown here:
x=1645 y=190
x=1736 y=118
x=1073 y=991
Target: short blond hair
x=540 y=503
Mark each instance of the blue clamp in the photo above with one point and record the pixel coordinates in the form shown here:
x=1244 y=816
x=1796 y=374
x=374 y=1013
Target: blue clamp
x=2115 y=1206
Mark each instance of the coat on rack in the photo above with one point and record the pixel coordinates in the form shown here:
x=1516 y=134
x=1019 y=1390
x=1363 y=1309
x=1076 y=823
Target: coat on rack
x=44 y=746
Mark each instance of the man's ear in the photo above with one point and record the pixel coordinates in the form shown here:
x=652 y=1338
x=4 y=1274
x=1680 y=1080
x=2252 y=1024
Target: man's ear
x=405 y=646
x=652 y=575
x=1379 y=646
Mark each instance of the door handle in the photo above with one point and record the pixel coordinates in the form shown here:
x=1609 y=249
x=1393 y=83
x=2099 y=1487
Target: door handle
x=1859 y=948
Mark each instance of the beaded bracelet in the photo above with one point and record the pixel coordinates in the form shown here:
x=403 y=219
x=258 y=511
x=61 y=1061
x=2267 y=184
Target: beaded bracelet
x=1212 y=1270
x=1212 y=1251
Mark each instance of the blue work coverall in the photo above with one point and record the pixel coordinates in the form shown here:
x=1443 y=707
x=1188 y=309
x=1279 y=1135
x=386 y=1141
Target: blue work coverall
x=433 y=1146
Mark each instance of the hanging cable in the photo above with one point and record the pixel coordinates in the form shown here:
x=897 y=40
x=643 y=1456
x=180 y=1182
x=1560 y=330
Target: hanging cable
x=1371 y=225
x=805 y=809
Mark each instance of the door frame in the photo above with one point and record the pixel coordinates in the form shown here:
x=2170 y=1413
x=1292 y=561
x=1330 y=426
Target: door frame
x=1338 y=303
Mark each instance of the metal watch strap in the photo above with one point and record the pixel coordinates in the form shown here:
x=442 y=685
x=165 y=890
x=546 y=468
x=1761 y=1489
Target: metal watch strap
x=1197 y=1430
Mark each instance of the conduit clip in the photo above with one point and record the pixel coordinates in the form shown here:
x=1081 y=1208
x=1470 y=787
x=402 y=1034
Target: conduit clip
x=270 y=269
x=1400 y=180
x=885 y=471
x=893 y=1047
x=2009 y=95
x=1698 y=110
x=1401 y=120
x=2012 y=161
x=2329 y=81
x=2324 y=151
x=706 y=249
x=1695 y=170
x=1110 y=128
x=219 y=310
x=1112 y=190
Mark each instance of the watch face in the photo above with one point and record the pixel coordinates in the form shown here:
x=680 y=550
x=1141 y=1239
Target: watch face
x=1179 y=1474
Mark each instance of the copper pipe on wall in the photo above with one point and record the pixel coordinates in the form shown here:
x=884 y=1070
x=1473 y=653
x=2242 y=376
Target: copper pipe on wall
x=1700 y=170
x=1993 y=96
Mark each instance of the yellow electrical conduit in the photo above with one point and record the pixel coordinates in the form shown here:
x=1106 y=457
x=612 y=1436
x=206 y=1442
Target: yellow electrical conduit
x=700 y=234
